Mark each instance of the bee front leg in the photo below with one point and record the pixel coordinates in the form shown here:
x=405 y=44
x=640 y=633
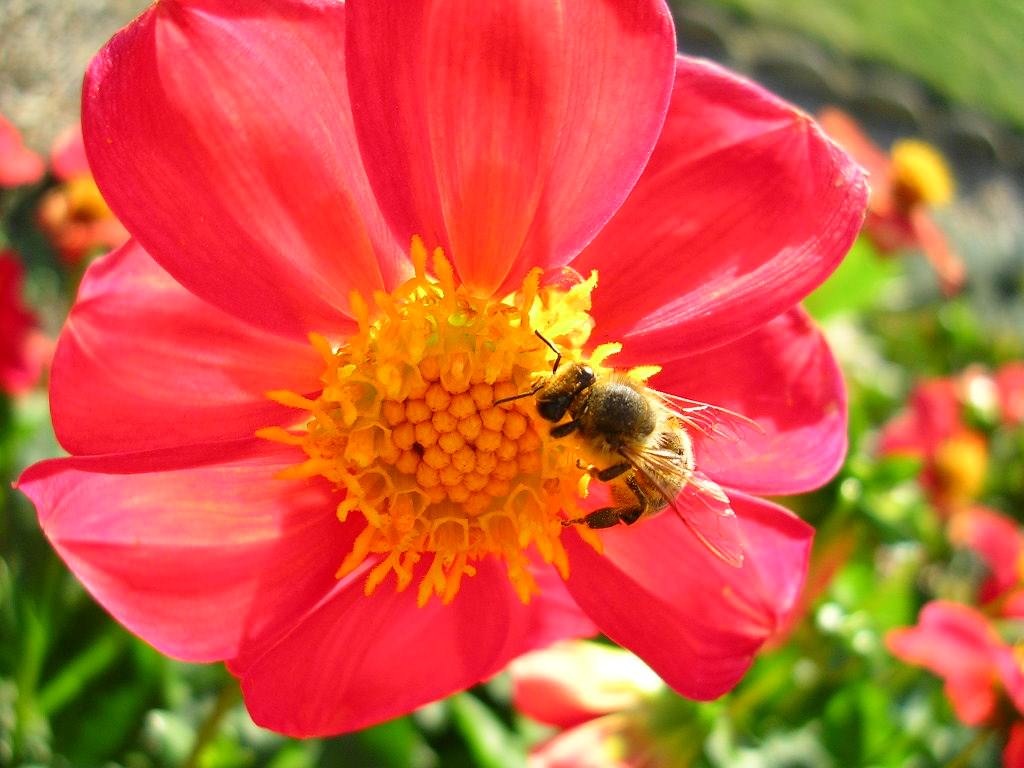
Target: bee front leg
x=563 y=430
x=606 y=474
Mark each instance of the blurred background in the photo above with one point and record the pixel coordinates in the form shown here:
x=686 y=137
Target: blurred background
x=907 y=649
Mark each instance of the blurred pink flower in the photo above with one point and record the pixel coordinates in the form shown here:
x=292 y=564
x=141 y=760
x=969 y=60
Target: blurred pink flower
x=74 y=215
x=996 y=539
x=576 y=680
x=597 y=693
x=905 y=184
x=1010 y=387
x=932 y=428
x=958 y=643
x=18 y=164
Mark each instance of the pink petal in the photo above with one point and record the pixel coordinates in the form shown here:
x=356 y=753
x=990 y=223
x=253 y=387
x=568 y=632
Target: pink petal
x=221 y=136
x=697 y=621
x=996 y=540
x=358 y=660
x=143 y=364
x=507 y=132
x=744 y=209
x=1010 y=384
x=196 y=550
x=67 y=156
x=18 y=164
x=782 y=376
x=933 y=415
x=957 y=643
x=576 y=680
x=605 y=742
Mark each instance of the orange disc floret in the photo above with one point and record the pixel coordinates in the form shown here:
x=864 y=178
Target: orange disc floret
x=411 y=428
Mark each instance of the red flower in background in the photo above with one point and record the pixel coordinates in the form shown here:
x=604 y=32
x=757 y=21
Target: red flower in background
x=959 y=644
x=23 y=350
x=74 y=215
x=932 y=428
x=905 y=184
x=996 y=539
x=1010 y=389
x=18 y=164
x=273 y=163
x=597 y=693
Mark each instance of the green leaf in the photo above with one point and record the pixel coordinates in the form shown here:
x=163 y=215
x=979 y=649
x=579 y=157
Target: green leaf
x=491 y=742
x=855 y=286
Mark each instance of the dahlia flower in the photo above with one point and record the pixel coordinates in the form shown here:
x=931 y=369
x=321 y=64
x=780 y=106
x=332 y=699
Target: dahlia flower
x=18 y=164
x=598 y=694
x=74 y=215
x=961 y=645
x=906 y=183
x=933 y=428
x=349 y=222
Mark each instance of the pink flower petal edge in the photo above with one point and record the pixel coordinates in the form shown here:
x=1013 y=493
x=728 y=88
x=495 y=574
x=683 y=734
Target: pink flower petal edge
x=186 y=373
x=223 y=140
x=744 y=208
x=782 y=377
x=697 y=621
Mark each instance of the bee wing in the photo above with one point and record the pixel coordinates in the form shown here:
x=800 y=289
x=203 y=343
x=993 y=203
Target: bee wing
x=699 y=502
x=710 y=420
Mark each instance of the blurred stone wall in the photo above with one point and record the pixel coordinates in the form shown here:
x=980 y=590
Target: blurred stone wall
x=45 y=46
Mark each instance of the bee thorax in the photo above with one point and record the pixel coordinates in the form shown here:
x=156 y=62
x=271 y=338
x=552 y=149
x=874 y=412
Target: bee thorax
x=616 y=412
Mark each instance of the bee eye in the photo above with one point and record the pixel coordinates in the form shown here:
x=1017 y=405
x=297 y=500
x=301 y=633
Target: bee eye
x=553 y=409
x=587 y=376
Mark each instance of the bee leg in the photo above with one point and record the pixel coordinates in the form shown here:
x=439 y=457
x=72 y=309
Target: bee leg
x=607 y=517
x=630 y=515
x=562 y=430
x=606 y=474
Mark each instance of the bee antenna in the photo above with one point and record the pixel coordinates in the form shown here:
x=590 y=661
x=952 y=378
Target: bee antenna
x=528 y=393
x=553 y=348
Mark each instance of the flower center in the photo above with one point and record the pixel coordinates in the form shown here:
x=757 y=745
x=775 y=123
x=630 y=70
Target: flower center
x=410 y=427
x=920 y=174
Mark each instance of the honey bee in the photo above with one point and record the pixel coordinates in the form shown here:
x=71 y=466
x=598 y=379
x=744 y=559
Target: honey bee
x=645 y=435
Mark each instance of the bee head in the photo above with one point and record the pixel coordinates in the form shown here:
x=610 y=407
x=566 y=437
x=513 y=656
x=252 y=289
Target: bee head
x=556 y=397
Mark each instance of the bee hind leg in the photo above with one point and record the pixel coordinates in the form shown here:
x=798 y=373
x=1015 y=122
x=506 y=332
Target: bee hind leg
x=607 y=517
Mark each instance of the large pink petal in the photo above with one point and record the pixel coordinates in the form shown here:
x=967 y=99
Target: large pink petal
x=507 y=132
x=696 y=620
x=143 y=364
x=782 y=376
x=220 y=133
x=195 y=550
x=357 y=660
x=744 y=208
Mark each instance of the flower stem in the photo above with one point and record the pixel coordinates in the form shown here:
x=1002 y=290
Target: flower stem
x=226 y=699
x=963 y=759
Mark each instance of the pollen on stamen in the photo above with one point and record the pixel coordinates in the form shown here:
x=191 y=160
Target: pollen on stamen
x=408 y=427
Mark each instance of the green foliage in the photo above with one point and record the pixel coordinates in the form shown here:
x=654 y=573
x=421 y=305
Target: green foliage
x=953 y=45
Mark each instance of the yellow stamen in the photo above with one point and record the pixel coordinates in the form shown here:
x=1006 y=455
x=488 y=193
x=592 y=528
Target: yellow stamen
x=407 y=427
